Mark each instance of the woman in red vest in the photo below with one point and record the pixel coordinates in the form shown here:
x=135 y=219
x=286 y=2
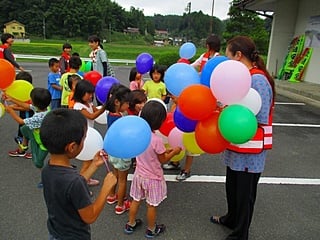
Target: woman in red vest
x=7 y=40
x=245 y=165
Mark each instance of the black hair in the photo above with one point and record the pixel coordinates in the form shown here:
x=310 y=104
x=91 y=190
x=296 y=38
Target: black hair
x=66 y=45
x=154 y=113
x=160 y=69
x=52 y=61
x=24 y=76
x=214 y=43
x=133 y=74
x=75 y=54
x=5 y=37
x=81 y=89
x=117 y=92
x=71 y=78
x=75 y=62
x=61 y=127
x=40 y=97
x=136 y=97
x=95 y=38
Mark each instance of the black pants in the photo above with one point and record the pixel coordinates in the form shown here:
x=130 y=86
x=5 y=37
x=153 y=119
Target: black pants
x=241 y=190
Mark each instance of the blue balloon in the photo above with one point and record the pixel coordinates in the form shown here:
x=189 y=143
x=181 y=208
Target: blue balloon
x=182 y=122
x=144 y=63
x=187 y=50
x=179 y=76
x=127 y=137
x=103 y=87
x=209 y=67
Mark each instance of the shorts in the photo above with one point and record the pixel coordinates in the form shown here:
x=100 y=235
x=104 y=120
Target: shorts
x=192 y=154
x=121 y=164
x=154 y=191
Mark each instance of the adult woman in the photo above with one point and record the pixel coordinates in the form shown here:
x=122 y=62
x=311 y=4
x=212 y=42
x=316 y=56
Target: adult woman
x=244 y=166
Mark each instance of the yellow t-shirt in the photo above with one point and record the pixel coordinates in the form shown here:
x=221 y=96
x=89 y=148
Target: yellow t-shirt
x=154 y=90
x=65 y=88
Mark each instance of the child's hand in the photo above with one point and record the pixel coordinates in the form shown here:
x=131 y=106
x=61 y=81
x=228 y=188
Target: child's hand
x=8 y=108
x=99 y=158
x=177 y=150
x=110 y=179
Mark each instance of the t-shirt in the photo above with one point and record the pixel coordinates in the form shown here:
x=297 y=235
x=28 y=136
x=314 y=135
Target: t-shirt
x=35 y=121
x=54 y=79
x=65 y=88
x=80 y=106
x=155 y=90
x=65 y=192
x=148 y=164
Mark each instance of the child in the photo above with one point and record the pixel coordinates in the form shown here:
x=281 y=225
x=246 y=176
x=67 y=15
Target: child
x=148 y=181
x=40 y=98
x=53 y=83
x=83 y=95
x=135 y=79
x=137 y=99
x=186 y=171
x=65 y=58
x=70 y=209
x=118 y=103
x=75 y=64
x=156 y=88
x=72 y=82
x=19 y=139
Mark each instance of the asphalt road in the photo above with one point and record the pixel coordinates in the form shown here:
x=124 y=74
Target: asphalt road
x=287 y=205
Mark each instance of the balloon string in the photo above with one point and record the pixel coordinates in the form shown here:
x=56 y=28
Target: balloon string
x=103 y=154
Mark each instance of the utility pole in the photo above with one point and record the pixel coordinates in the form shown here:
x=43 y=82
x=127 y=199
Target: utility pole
x=211 y=20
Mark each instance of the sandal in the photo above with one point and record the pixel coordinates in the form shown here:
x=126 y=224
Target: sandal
x=215 y=219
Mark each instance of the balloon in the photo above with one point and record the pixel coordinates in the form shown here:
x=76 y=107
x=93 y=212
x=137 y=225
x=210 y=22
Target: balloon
x=183 y=60
x=93 y=77
x=167 y=125
x=103 y=87
x=187 y=50
x=190 y=143
x=102 y=119
x=179 y=76
x=252 y=101
x=83 y=66
x=92 y=144
x=127 y=137
x=2 y=110
x=88 y=66
x=183 y=123
x=175 y=138
x=20 y=90
x=230 y=81
x=160 y=101
x=178 y=157
x=208 y=136
x=237 y=124
x=7 y=73
x=197 y=102
x=209 y=67
x=144 y=63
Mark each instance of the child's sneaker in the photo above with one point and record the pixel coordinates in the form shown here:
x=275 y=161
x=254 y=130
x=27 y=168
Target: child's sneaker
x=28 y=155
x=183 y=175
x=171 y=166
x=126 y=206
x=19 y=141
x=128 y=229
x=93 y=182
x=112 y=199
x=159 y=229
x=17 y=153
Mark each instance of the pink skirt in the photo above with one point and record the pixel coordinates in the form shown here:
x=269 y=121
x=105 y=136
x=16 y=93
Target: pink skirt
x=154 y=191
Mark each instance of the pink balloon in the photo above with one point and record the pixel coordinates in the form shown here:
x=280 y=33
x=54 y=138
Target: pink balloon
x=230 y=81
x=175 y=138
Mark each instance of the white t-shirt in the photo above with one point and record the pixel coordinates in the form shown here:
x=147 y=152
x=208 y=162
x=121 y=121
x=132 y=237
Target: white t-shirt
x=80 y=106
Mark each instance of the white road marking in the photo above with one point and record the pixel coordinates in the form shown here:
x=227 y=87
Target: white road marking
x=296 y=125
x=289 y=103
x=263 y=180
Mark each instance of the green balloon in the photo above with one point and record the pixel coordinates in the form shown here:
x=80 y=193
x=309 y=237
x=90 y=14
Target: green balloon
x=83 y=67
x=237 y=124
x=88 y=66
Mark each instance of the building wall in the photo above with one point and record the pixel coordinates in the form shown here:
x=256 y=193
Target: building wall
x=15 y=29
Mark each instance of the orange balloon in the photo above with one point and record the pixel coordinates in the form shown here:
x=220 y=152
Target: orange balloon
x=208 y=135
x=7 y=73
x=197 y=102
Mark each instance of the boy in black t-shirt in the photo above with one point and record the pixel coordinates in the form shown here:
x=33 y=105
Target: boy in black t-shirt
x=66 y=193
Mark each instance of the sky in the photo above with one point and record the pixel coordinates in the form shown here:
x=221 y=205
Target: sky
x=177 y=7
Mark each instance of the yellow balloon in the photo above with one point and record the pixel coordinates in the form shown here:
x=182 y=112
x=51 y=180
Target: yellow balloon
x=2 y=110
x=190 y=143
x=20 y=90
x=178 y=157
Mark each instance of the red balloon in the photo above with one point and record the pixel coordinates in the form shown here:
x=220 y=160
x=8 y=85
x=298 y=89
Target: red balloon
x=208 y=135
x=197 y=102
x=167 y=125
x=93 y=77
x=183 y=60
x=7 y=74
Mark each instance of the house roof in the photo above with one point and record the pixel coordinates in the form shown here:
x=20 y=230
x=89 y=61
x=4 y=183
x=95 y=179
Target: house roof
x=13 y=21
x=256 y=5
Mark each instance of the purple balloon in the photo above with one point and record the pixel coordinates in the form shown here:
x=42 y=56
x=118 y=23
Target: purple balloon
x=144 y=63
x=103 y=87
x=182 y=122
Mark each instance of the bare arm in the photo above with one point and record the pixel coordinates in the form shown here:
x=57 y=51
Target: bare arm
x=166 y=156
x=14 y=115
x=93 y=115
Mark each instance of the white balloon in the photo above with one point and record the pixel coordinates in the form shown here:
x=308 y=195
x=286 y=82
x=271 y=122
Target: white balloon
x=92 y=144
x=160 y=101
x=102 y=119
x=252 y=101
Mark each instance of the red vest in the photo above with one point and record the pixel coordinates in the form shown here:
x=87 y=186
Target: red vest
x=204 y=60
x=262 y=140
x=2 y=48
